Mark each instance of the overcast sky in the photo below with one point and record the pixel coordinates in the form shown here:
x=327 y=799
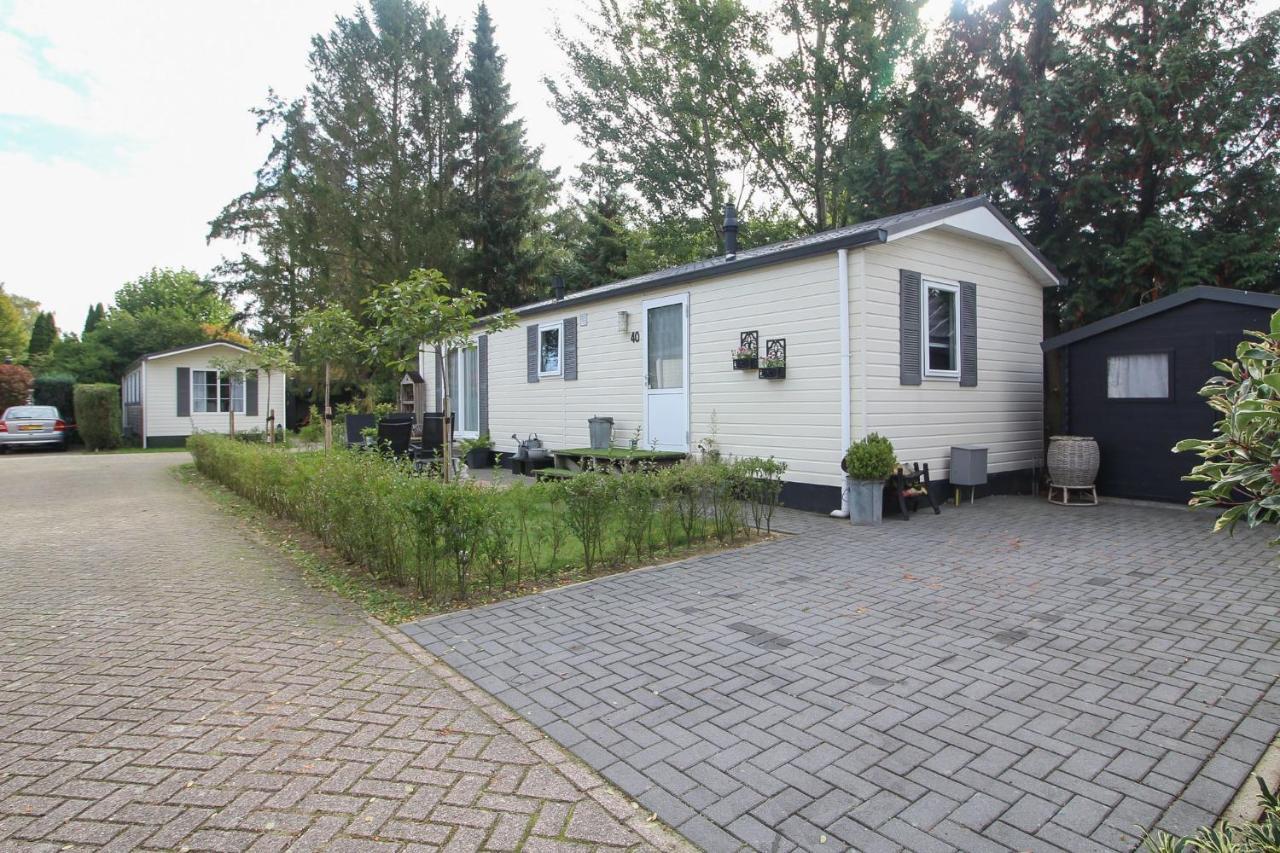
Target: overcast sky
x=125 y=126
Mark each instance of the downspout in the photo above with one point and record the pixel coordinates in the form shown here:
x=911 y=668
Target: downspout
x=860 y=274
x=842 y=291
x=143 y=396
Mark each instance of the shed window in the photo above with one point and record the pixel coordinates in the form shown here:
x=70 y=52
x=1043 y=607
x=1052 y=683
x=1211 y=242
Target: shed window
x=549 y=339
x=941 y=355
x=1142 y=376
x=464 y=372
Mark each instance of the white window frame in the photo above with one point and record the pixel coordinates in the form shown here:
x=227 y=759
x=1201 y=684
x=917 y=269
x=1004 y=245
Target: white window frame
x=952 y=287
x=244 y=395
x=559 y=326
x=458 y=381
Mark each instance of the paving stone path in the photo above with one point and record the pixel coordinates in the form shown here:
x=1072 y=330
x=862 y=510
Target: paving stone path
x=1007 y=676
x=167 y=683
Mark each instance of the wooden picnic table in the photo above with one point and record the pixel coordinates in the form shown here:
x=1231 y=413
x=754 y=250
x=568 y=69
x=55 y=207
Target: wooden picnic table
x=622 y=459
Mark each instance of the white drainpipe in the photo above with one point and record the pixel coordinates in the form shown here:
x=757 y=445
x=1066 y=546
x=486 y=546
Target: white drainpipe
x=842 y=289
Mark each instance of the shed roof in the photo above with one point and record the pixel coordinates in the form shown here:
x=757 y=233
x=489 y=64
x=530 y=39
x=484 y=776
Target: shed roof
x=880 y=230
x=1269 y=301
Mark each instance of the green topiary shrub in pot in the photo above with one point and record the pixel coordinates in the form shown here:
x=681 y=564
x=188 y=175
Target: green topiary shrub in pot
x=98 y=415
x=867 y=464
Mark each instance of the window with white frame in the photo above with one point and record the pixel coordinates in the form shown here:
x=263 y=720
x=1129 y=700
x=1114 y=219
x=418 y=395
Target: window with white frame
x=464 y=375
x=214 y=391
x=940 y=303
x=133 y=389
x=549 y=349
x=1140 y=376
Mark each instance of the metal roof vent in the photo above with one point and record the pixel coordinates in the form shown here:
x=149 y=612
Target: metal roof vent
x=730 y=231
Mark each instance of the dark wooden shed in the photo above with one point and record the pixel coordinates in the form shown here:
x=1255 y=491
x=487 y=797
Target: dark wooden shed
x=1131 y=381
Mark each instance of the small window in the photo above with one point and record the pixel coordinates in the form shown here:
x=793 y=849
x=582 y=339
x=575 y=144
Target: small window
x=549 y=350
x=213 y=392
x=464 y=372
x=941 y=353
x=1143 y=376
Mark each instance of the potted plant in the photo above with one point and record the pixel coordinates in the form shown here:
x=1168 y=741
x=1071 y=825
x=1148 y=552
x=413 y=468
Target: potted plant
x=745 y=358
x=867 y=464
x=477 y=451
x=773 y=368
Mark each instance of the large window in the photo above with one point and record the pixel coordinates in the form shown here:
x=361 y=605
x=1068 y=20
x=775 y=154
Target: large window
x=549 y=350
x=1142 y=376
x=464 y=373
x=213 y=391
x=941 y=352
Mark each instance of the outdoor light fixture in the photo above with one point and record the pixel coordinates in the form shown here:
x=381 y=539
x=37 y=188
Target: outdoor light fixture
x=624 y=320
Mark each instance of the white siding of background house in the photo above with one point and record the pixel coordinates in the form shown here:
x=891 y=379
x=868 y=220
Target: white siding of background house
x=159 y=380
x=798 y=419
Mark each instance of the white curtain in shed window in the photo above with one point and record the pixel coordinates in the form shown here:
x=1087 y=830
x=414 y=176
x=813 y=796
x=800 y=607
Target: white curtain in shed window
x=1137 y=377
x=666 y=346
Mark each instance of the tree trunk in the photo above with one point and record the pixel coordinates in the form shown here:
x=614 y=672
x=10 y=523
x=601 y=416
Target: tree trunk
x=271 y=413
x=446 y=452
x=328 y=412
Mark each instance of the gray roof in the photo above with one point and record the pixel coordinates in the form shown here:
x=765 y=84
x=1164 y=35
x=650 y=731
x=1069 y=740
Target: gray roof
x=1269 y=301
x=847 y=237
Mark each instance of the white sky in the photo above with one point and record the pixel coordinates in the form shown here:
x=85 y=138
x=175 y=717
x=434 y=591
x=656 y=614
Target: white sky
x=124 y=126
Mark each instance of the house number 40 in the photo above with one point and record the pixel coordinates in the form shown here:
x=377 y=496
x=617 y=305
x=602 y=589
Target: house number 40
x=635 y=337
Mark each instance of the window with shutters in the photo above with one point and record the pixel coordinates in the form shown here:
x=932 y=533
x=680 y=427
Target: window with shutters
x=939 y=307
x=549 y=349
x=213 y=391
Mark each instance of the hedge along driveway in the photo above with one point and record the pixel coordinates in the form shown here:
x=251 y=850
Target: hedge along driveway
x=1009 y=675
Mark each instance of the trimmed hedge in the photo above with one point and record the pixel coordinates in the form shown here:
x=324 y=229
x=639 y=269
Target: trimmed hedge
x=450 y=540
x=56 y=389
x=97 y=410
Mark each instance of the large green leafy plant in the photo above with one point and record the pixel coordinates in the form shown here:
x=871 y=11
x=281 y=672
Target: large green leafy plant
x=1263 y=836
x=1241 y=467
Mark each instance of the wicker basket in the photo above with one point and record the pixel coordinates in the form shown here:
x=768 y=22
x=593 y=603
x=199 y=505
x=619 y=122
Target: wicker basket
x=1073 y=460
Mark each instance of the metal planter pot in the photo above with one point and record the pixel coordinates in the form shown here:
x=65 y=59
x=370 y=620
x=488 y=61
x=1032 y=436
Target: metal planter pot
x=866 y=501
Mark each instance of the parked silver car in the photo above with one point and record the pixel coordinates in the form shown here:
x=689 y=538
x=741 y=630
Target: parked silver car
x=32 y=426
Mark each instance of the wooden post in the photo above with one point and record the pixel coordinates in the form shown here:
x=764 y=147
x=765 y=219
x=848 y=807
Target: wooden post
x=447 y=450
x=328 y=411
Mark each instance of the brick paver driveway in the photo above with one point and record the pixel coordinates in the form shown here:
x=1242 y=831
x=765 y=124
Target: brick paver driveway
x=1010 y=675
x=167 y=683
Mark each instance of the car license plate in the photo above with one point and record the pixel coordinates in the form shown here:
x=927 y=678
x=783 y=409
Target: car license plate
x=30 y=428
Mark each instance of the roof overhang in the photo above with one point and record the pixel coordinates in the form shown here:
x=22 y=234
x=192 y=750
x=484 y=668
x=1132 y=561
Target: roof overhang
x=983 y=222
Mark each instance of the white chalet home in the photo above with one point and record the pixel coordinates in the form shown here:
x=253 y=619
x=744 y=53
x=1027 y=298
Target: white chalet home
x=167 y=396
x=924 y=327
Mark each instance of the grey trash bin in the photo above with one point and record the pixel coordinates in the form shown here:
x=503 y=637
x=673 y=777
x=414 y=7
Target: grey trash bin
x=601 y=432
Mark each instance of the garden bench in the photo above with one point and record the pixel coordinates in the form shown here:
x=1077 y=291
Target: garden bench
x=909 y=485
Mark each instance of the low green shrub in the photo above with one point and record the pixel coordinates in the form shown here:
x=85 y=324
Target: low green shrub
x=760 y=487
x=871 y=458
x=452 y=540
x=97 y=409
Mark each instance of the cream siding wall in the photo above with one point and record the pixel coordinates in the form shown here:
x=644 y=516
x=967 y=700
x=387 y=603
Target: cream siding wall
x=162 y=398
x=796 y=419
x=1004 y=411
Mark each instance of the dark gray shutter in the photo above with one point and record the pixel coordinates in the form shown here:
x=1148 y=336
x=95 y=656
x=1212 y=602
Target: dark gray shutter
x=251 y=393
x=570 y=347
x=184 y=392
x=968 y=334
x=482 y=357
x=532 y=345
x=439 y=383
x=909 y=327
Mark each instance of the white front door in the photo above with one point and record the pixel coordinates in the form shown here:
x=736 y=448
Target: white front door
x=666 y=359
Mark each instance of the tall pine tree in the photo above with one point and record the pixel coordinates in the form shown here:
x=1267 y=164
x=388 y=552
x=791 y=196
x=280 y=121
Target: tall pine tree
x=97 y=313
x=506 y=191
x=43 y=334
